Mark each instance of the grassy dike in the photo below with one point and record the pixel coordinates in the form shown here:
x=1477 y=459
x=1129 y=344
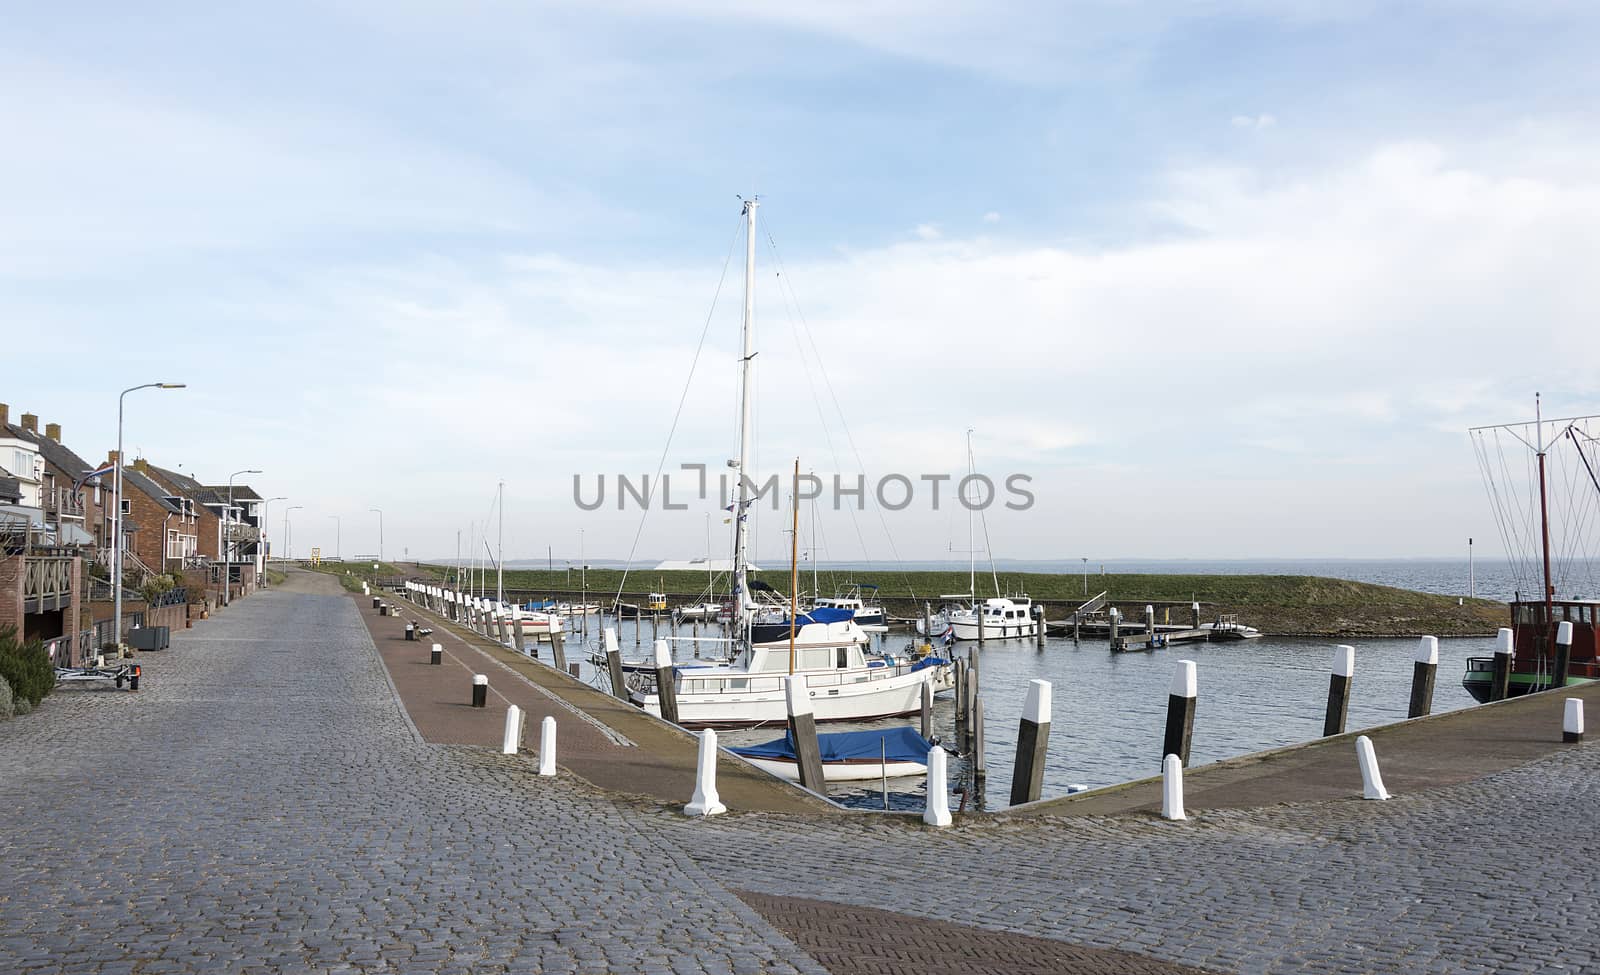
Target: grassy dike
x=1279 y=605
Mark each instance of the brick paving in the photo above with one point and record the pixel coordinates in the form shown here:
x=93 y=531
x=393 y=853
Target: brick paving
x=264 y=804
x=863 y=941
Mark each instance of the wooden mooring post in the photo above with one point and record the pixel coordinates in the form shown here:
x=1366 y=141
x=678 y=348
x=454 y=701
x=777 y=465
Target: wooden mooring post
x=1504 y=650
x=666 y=682
x=1033 y=740
x=1181 y=701
x=803 y=732
x=558 y=649
x=1344 y=668
x=1038 y=619
x=927 y=709
x=619 y=686
x=1422 y=676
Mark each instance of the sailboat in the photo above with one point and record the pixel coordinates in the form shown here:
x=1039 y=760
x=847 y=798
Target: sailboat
x=845 y=681
x=1555 y=641
x=996 y=618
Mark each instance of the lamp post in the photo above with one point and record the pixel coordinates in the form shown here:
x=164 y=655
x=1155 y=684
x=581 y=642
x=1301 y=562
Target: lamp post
x=338 y=535
x=288 y=545
x=266 y=536
x=380 y=532
x=227 y=543
x=116 y=518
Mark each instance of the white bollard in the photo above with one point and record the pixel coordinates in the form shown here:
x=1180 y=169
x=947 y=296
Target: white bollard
x=706 y=802
x=1371 y=779
x=937 y=811
x=1172 y=788
x=513 y=738
x=547 y=746
x=1572 y=721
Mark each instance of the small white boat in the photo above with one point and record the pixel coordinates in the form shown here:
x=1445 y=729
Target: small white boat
x=1003 y=618
x=1228 y=627
x=699 y=611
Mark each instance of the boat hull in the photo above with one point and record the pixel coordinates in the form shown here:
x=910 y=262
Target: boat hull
x=1480 y=684
x=788 y=768
x=764 y=703
x=996 y=631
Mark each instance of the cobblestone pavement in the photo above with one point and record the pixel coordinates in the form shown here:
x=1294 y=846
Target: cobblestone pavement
x=264 y=805
x=1497 y=875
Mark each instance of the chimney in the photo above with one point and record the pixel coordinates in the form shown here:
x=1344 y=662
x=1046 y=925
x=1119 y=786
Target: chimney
x=53 y=431
x=5 y=416
x=111 y=457
x=30 y=422
x=141 y=465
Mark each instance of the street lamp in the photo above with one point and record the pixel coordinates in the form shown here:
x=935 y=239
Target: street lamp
x=380 y=532
x=288 y=546
x=227 y=543
x=266 y=536
x=338 y=535
x=116 y=517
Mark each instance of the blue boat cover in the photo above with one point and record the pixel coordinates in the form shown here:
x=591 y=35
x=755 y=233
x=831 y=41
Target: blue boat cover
x=895 y=744
x=536 y=607
x=927 y=662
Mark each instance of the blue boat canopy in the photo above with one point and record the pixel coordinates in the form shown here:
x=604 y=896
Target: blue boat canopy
x=536 y=607
x=894 y=744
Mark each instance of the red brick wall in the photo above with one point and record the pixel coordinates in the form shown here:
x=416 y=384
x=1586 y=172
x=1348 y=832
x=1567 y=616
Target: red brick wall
x=11 y=592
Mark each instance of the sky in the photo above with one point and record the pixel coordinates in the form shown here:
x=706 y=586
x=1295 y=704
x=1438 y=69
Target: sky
x=1221 y=279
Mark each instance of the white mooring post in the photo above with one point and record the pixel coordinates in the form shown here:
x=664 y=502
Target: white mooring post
x=1563 y=662
x=513 y=736
x=1371 y=779
x=1172 y=788
x=1572 y=721
x=547 y=746
x=937 y=811
x=436 y=655
x=706 y=802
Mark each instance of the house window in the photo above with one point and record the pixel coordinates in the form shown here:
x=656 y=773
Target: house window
x=126 y=508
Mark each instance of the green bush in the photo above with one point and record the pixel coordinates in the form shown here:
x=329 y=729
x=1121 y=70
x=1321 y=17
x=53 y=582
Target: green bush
x=7 y=709
x=26 y=667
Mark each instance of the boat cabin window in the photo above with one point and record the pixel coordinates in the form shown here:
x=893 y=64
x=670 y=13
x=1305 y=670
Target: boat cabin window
x=841 y=657
x=816 y=659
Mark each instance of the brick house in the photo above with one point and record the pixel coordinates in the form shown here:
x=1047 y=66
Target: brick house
x=225 y=536
x=151 y=516
x=76 y=505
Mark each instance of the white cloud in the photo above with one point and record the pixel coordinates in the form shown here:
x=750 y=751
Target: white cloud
x=1262 y=121
x=928 y=231
x=991 y=217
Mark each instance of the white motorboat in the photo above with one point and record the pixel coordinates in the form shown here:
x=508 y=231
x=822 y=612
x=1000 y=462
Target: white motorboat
x=1003 y=618
x=1228 y=627
x=845 y=682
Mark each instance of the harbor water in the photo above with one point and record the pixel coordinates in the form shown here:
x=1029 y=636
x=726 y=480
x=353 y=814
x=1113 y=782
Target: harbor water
x=1109 y=709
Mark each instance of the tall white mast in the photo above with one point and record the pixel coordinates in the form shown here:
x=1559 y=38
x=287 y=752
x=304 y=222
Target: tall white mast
x=972 y=551
x=746 y=367
x=500 y=549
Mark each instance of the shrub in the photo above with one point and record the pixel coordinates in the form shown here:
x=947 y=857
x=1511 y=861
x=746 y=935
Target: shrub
x=26 y=667
x=7 y=709
x=22 y=706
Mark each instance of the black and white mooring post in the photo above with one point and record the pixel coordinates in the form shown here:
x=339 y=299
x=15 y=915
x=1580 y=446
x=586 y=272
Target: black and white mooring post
x=377 y=601
x=1033 y=740
x=1422 y=674
x=1505 y=648
x=619 y=686
x=436 y=655
x=1038 y=619
x=1115 y=618
x=1563 y=662
x=1181 y=700
x=411 y=631
x=1572 y=721
x=1344 y=668
x=1149 y=626
x=666 y=681
x=1194 y=615
x=803 y=732
x=480 y=690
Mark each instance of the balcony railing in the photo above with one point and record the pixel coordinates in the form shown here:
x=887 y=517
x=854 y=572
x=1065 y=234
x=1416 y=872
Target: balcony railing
x=233 y=532
x=63 y=503
x=46 y=583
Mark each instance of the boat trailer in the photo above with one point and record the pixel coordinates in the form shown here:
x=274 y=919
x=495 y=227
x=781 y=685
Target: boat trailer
x=117 y=674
